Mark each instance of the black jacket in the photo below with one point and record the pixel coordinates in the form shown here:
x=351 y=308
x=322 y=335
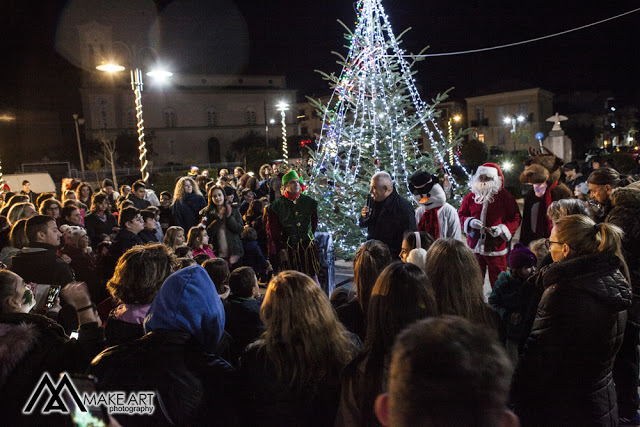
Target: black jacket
x=192 y=386
x=564 y=375
x=270 y=402
x=389 y=220
x=186 y=213
x=39 y=263
x=243 y=322
x=96 y=226
x=123 y=241
x=31 y=345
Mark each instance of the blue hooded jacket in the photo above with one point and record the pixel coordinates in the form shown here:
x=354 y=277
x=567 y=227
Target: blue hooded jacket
x=188 y=302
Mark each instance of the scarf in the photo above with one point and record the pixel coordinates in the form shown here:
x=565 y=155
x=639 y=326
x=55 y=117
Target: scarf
x=429 y=222
x=290 y=196
x=543 y=223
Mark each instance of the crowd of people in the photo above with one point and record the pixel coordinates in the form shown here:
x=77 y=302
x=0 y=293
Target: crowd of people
x=164 y=294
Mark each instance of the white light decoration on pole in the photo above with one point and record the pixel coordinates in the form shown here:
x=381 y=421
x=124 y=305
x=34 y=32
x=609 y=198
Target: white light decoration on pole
x=282 y=106
x=136 y=87
x=79 y=121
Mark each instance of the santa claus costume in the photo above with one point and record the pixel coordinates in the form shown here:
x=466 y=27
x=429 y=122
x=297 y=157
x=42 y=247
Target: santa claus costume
x=434 y=215
x=490 y=217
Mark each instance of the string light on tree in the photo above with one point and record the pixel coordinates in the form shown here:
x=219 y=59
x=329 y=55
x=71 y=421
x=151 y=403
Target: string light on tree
x=282 y=106
x=372 y=122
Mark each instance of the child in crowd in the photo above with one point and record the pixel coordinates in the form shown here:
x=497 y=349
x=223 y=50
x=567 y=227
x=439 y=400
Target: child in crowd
x=165 y=211
x=198 y=241
x=174 y=237
x=510 y=297
x=243 y=309
x=247 y=198
x=218 y=271
x=148 y=233
x=201 y=258
x=539 y=249
x=183 y=251
x=413 y=240
x=253 y=256
x=185 y=262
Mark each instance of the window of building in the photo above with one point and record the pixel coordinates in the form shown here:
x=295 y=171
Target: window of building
x=480 y=113
x=524 y=109
x=212 y=117
x=169 y=116
x=251 y=117
x=501 y=114
x=172 y=147
x=502 y=138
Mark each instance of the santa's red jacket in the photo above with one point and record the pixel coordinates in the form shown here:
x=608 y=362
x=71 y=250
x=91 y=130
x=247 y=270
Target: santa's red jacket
x=503 y=213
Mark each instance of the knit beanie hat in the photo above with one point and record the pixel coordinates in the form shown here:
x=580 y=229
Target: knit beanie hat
x=289 y=176
x=107 y=183
x=521 y=256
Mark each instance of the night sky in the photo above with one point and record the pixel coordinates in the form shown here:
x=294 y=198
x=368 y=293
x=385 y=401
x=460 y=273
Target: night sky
x=294 y=38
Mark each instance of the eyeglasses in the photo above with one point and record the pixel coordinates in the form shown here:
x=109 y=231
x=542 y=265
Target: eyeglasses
x=548 y=243
x=138 y=218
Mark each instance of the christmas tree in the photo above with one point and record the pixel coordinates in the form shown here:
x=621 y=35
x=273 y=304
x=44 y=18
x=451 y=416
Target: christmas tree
x=372 y=123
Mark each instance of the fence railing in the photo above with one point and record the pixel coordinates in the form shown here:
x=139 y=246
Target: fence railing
x=106 y=173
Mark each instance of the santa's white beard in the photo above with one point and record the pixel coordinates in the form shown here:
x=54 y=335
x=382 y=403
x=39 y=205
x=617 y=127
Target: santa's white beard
x=484 y=191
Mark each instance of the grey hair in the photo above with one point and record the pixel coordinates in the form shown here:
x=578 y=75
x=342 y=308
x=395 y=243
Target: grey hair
x=384 y=177
x=564 y=207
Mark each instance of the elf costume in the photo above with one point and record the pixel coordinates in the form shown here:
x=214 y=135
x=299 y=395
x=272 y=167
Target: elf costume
x=291 y=223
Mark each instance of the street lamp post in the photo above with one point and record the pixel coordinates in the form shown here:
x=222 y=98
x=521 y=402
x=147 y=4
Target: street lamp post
x=136 y=87
x=513 y=120
x=79 y=121
x=282 y=106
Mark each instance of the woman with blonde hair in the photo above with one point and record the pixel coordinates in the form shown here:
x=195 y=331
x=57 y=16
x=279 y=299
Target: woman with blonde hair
x=565 y=372
x=458 y=281
x=291 y=375
x=174 y=237
x=187 y=203
x=24 y=210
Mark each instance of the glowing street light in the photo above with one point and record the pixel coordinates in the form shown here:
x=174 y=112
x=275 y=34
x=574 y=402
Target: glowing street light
x=282 y=106
x=136 y=87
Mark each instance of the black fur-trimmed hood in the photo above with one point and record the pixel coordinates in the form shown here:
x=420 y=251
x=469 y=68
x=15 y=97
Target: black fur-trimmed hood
x=16 y=341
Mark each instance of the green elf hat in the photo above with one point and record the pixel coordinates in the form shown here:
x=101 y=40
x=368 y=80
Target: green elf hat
x=292 y=174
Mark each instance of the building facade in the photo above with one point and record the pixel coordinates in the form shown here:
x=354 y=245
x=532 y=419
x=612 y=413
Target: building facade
x=509 y=120
x=192 y=119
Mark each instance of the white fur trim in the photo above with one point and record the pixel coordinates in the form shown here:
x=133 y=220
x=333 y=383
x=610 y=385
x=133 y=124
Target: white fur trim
x=505 y=231
x=466 y=224
x=488 y=171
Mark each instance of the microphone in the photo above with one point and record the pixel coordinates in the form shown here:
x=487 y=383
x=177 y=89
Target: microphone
x=369 y=204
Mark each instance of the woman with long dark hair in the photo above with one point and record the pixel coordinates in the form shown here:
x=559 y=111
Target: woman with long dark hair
x=402 y=294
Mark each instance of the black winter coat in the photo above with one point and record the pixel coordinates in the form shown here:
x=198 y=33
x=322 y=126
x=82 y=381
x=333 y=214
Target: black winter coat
x=96 y=226
x=564 y=375
x=389 y=220
x=31 y=345
x=193 y=386
x=186 y=212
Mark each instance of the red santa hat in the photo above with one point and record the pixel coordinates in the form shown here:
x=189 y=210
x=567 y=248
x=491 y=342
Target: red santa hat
x=492 y=170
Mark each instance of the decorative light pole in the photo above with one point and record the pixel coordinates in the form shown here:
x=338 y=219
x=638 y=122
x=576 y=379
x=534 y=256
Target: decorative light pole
x=282 y=106
x=136 y=87
x=456 y=119
x=513 y=120
x=79 y=121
